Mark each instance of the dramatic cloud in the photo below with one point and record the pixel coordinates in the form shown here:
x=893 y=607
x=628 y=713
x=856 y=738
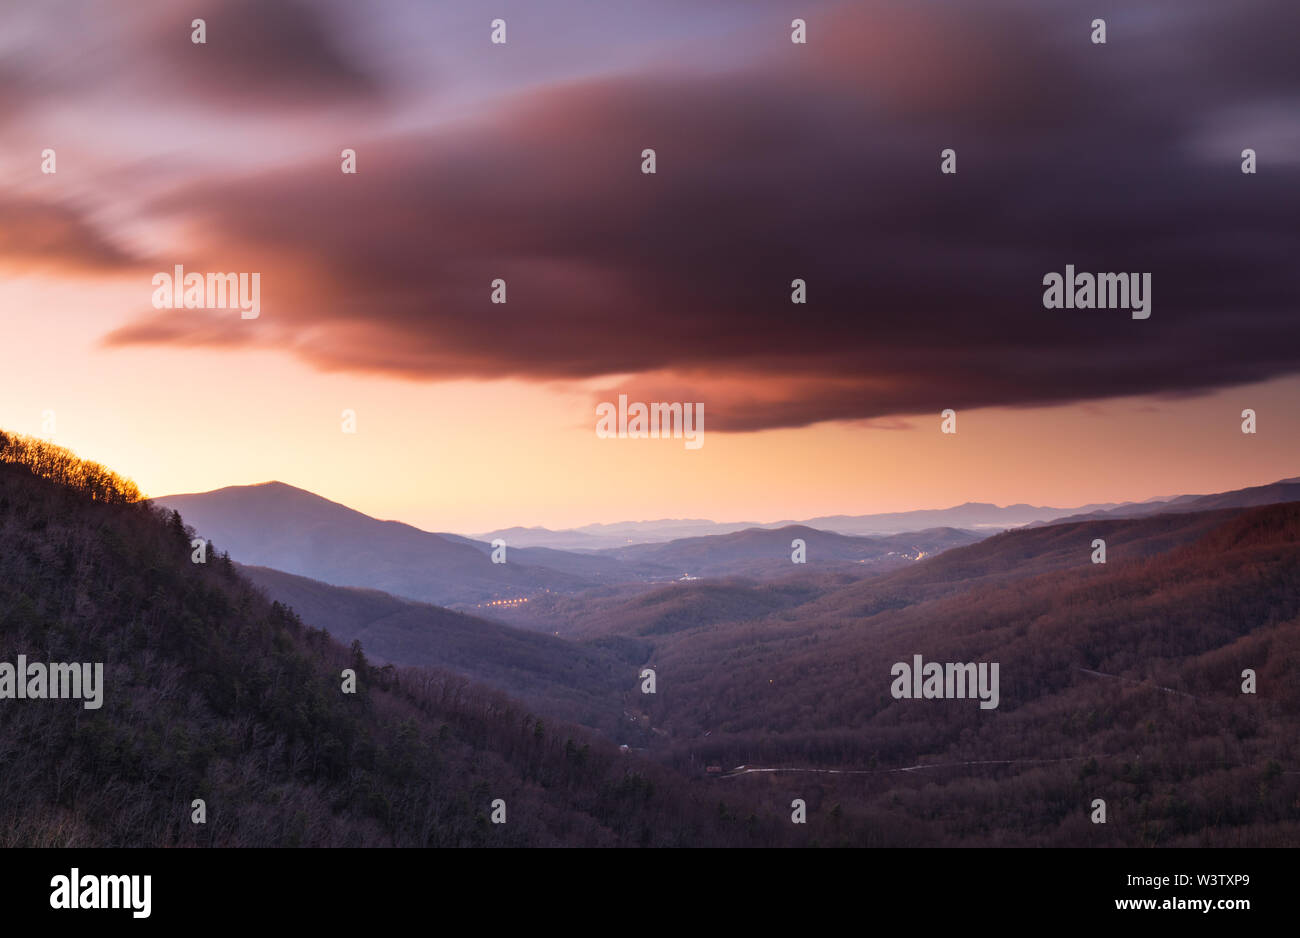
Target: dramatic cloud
x=819 y=162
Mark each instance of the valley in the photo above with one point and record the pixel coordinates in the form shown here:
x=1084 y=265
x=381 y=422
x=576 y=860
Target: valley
x=771 y=681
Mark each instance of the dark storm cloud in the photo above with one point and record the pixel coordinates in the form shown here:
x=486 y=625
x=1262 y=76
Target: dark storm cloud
x=818 y=162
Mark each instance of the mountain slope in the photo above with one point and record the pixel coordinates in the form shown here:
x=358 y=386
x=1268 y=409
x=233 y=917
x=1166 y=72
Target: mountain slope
x=1285 y=490
x=278 y=526
x=671 y=607
x=574 y=682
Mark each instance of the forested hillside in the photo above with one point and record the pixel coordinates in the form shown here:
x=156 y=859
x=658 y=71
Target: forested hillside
x=213 y=692
x=1120 y=681
x=581 y=683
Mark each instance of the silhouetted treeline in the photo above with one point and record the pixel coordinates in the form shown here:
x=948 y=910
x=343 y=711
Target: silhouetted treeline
x=63 y=467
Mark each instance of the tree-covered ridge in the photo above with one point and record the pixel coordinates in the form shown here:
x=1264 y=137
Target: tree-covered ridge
x=63 y=467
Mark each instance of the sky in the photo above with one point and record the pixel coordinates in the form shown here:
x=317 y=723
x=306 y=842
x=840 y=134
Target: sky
x=775 y=161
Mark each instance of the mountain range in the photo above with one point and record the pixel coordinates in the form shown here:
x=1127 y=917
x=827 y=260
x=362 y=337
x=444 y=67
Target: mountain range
x=1159 y=681
x=971 y=515
x=288 y=529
